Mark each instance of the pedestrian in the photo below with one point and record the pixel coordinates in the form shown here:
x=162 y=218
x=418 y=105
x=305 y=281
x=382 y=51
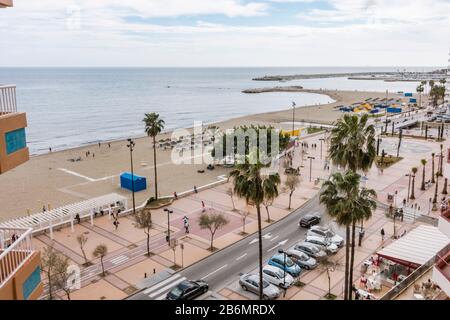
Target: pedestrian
x=382 y=234
x=186 y=226
x=50 y=149
x=195 y=189
x=175 y=196
x=77 y=217
x=99 y=144
x=203 y=206
x=43 y=208
x=116 y=223
x=93 y=155
x=109 y=145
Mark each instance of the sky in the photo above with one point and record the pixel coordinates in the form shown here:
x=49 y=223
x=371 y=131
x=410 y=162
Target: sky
x=225 y=33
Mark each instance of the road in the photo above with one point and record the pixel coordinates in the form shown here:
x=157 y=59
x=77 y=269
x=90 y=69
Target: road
x=224 y=266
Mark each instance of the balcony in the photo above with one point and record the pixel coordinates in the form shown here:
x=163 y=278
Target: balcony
x=6 y=3
x=8 y=102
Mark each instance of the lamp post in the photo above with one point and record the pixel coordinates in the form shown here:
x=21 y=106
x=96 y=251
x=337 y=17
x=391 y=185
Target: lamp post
x=310 y=166
x=293 y=117
x=131 y=145
x=281 y=251
x=409 y=184
x=168 y=224
x=321 y=140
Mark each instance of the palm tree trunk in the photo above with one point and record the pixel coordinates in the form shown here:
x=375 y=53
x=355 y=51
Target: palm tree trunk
x=50 y=286
x=347 y=251
x=258 y=210
x=156 y=170
x=352 y=260
x=268 y=215
x=412 y=197
x=103 y=267
x=290 y=197
x=148 y=244
x=432 y=171
x=423 y=178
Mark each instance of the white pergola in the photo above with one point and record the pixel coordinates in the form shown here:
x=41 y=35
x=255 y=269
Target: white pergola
x=49 y=219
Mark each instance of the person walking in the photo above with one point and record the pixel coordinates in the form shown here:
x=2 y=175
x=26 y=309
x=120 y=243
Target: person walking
x=203 y=206
x=116 y=223
x=195 y=189
x=175 y=196
x=382 y=234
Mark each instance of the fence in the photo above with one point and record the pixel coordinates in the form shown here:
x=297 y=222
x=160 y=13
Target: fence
x=8 y=103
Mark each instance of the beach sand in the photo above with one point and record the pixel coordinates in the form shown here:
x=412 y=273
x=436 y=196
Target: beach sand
x=51 y=179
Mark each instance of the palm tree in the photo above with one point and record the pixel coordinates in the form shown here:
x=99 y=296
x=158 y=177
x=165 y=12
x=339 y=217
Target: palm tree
x=420 y=90
x=348 y=204
x=441 y=157
x=436 y=192
x=352 y=146
x=432 y=168
x=414 y=171
x=423 y=162
x=251 y=184
x=100 y=251
x=153 y=126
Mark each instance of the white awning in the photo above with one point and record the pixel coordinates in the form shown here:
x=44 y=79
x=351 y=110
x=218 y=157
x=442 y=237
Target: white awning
x=417 y=247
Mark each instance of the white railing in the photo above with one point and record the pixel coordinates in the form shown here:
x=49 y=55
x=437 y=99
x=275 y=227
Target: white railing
x=8 y=102
x=15 y=249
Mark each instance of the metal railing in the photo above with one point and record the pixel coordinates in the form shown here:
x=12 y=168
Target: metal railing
x=8 y=102
x=15 y=249
x=442 y=262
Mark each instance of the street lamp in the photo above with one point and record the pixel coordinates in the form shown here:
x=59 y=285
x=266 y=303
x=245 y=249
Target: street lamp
x=168 y=224
x=131 y=145
x=281 y=251
x=293 y=116
x=310 y=166
x=409 y=184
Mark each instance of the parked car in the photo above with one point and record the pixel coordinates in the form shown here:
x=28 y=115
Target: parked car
x=291 y=267
x=277 y=277
x=302 y=259
x=326 y=232
x=250 y=282
x=309 y=220
x=188 y=290
x=322 y=243
x=311 y=250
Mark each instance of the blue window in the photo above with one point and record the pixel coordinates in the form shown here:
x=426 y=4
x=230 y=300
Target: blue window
x=31 y=283
x=15 y=140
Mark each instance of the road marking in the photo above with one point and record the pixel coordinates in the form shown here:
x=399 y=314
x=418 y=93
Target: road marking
x=166 y=288
x=274 y=238
x=254 y=241
x=76 y=174
x=162 y=283
x=281 y=243
x=119 y=259
x=267 y=236
x=239 y=258
x=210 y=274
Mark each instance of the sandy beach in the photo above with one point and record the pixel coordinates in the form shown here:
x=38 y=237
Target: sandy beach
x=51 y=179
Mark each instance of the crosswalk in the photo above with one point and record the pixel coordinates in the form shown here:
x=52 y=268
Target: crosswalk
x=119 y=259
x=160 y=290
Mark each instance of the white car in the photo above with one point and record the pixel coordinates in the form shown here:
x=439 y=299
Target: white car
x=326 y=232
x=322 y=243
x=275 y=276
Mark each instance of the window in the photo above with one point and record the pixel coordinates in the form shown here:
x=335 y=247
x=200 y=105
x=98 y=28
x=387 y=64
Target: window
x=15 y=140
x=31 y=283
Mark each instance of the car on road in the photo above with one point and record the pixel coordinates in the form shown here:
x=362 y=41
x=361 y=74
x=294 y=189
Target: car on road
x=326 y=232
x=302 y=259
x=290 y=267
x=309 y=220
x=250 y=282
x=311 y=250
x=277 y=277
x=188 y=290
x=322 y=243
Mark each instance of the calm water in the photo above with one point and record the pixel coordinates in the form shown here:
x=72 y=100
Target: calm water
x=69 y=107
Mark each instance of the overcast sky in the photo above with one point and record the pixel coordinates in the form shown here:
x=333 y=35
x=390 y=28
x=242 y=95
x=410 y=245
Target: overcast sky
x=225 y=33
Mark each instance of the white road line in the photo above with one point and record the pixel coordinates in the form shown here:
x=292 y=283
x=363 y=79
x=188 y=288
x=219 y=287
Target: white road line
x=210 y=274
x=274 y=238
x=239 y=258
x=166 y=288
x=118 y=261
x=162 y=283
x=76 y=174
x=119 y=258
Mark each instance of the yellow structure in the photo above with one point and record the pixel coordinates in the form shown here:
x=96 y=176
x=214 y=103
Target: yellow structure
x=295 y=133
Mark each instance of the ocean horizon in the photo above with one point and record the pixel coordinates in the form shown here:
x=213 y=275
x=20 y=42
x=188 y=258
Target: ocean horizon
x=69 y=107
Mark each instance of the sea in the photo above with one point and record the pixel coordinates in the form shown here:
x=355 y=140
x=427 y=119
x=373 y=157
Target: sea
x=72 y=107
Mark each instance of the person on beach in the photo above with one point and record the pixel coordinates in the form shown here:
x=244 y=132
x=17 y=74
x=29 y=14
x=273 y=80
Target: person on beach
x=175 y=196
x=195 y=189
x=99 y=144
x=382 y=234
x=50 y=149
x=93 y=155
x=109 y=145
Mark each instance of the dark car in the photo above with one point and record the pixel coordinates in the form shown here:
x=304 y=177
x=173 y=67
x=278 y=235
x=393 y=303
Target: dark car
x=309 y=220
x=188 y=290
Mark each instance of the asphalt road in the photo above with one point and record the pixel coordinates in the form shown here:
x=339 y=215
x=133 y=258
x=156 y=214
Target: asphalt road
x=225 y=266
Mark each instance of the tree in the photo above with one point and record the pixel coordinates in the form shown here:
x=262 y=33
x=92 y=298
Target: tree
x=444 y=191
x=436 y=192
x=414 y=171
x=352 y=146
x=82 y=239
x=267 y=202
x=212 y=221
x=62 y=275
x=153 y=126
x=441 y=158
x=420 y=90
x=291 y=183
x=329 y=266
x=254 y=184
x=230 y=194
x=49 y=260
x=100 y=251
x=423 y=162
x=432 y=168
x=144 y=221
x=244 y=215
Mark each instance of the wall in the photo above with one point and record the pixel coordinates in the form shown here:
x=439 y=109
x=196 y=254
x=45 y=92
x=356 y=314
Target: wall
x=10 y=123
x=13 y=289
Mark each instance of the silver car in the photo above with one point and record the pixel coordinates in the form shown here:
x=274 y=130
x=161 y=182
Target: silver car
x=322 y=243
x=311 y=250
x=277 y=277
x=326 y=232
x=302 y=259
x=250 y=282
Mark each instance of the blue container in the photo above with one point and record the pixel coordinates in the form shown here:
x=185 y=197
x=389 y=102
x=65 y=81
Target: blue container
x=140 y=183
x=394 y=110
x=374 y=111
x=412 y=100
x=408 y=94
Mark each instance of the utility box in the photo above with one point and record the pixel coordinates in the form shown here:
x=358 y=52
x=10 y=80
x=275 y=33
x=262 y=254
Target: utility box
x=412 y=100
x=408 y=94
x=126 y=182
